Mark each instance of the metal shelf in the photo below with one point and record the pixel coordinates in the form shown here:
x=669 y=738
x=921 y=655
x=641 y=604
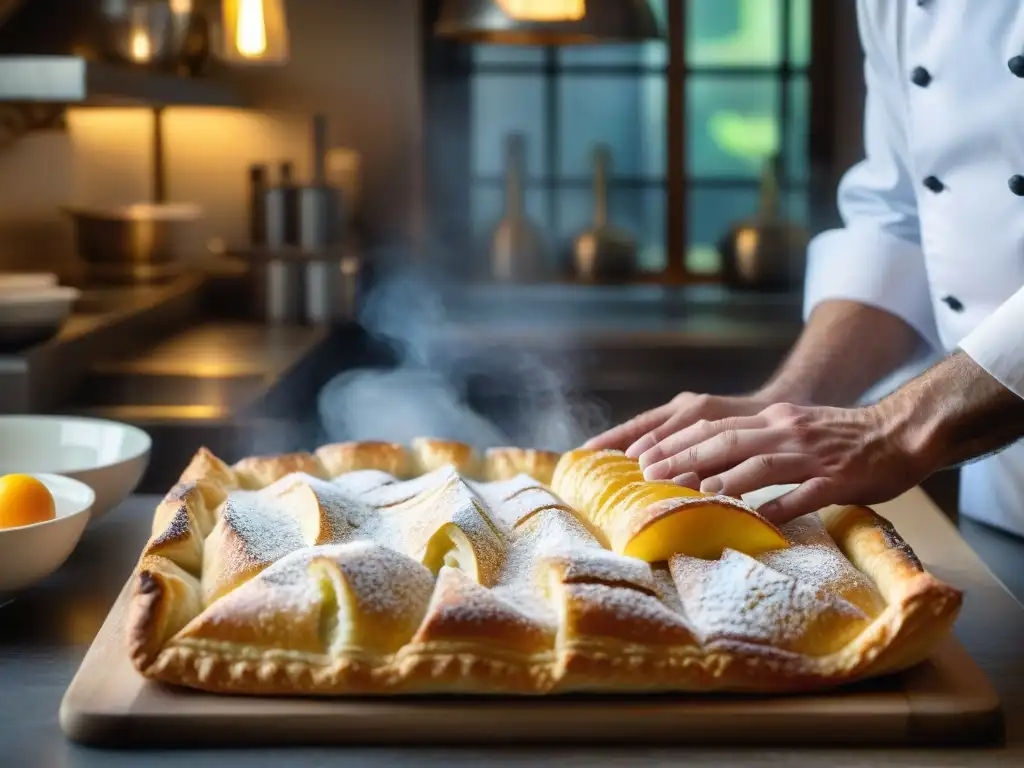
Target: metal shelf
x=74 y=80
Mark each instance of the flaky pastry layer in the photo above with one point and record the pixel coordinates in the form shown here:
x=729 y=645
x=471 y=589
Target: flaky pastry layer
x=372 y=568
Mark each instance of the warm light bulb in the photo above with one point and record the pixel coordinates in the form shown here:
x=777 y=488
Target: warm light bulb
x=142 y=49
x=544 y=10
x=251 y=32
x=181 y=6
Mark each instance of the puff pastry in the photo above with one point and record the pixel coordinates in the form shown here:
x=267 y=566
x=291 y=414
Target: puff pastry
x=372 y=568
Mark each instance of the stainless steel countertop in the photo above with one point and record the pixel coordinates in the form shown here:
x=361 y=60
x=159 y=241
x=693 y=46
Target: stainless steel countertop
x=45 y=632
x=651 y=316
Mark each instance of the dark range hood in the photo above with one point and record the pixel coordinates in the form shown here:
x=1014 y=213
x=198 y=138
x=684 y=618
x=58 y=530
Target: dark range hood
x=53 y=51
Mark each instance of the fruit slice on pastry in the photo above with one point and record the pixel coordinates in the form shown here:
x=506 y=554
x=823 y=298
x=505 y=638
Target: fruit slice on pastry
x=699 y=527
x=654 y=520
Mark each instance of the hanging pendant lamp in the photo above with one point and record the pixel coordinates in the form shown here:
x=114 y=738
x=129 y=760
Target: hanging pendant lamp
x=548 y=22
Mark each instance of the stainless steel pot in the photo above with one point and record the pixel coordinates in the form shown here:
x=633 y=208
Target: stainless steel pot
x=136 y=238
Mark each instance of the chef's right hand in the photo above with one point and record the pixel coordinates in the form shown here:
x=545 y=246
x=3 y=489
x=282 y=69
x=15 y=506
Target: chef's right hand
x=646 y=430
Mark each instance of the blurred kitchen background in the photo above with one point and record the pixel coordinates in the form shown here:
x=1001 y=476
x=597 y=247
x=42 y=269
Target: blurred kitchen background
x=264 y=224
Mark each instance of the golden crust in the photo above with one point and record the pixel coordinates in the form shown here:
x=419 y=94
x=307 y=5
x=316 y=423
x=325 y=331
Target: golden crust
x=293 y=626
x=256 y=472
x=339 y=458
x=505 y=463
x=430 y=453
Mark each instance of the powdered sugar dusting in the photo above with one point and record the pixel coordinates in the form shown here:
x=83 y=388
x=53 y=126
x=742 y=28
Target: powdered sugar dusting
x=452 y=502
x=266 y=532
x=738 y=598
x=363 y=481
x=383 y=582
x=816 y=561
x=826 y=571
x=530 y=553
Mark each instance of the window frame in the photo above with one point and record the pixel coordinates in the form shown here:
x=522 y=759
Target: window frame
x=448 y=68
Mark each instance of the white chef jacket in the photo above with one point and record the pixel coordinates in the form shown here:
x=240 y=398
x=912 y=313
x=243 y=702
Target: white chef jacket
x=934 y=215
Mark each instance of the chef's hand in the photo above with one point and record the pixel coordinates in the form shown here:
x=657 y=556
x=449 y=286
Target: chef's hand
x=651 y=427
x=835 y=455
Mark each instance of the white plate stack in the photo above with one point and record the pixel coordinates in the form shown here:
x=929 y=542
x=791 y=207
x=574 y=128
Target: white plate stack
x=33 y=307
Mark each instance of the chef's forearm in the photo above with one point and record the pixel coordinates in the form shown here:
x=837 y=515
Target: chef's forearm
x=953 y=413
x=845 y=349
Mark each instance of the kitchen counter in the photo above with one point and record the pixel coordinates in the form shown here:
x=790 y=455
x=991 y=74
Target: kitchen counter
x=127 y=319
x=45 y=632
x=237 y=388
x=613 y=316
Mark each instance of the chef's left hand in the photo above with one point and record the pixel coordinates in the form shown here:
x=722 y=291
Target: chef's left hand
x=836 y=455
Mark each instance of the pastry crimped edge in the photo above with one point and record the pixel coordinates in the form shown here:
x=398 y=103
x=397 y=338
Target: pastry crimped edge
x=920 y=610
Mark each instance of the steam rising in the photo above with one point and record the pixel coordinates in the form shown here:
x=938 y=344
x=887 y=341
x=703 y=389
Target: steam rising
x=486 y=395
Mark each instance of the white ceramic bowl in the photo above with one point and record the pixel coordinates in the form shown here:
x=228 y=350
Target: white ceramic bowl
x=32 y=552
x=30 y=315
x=15 y=282
x=108 y=456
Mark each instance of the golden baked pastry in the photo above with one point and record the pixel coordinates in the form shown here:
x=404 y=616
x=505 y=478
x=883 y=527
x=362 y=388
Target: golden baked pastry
x=371 y=568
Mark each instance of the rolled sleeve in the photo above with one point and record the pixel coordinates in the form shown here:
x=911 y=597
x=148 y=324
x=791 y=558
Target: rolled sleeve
x=876 y=258
x=997 y=344
x=868 y=266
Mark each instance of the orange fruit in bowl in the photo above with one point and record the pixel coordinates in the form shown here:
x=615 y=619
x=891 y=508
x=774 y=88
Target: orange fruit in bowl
x=24 y=500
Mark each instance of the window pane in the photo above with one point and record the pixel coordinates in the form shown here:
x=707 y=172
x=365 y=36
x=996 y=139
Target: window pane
x=710 y=214
x=733 y=124
x=625 y=112
x=503 y=104
x=654 y=54
x=796 y=142
x=640 y=212
x=508 y=54
x=733 y=33
x=800 y=33
x=796 y=206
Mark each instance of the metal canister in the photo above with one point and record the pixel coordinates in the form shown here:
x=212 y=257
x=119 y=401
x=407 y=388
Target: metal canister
x=332 y=289
x=278 y=288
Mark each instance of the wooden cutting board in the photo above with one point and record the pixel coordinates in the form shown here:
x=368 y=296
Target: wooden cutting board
x=944 y=701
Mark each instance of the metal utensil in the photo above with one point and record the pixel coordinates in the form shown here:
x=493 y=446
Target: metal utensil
x=603 y=252
x=277 y=281
x=137 y=239
x=282 y=210
x=319 y=203
x=765 y=251
x=518 y=250
x=332 y=289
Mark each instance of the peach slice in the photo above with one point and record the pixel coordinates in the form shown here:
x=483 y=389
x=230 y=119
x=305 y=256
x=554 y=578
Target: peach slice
x=654 y=520
x=696 y=526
